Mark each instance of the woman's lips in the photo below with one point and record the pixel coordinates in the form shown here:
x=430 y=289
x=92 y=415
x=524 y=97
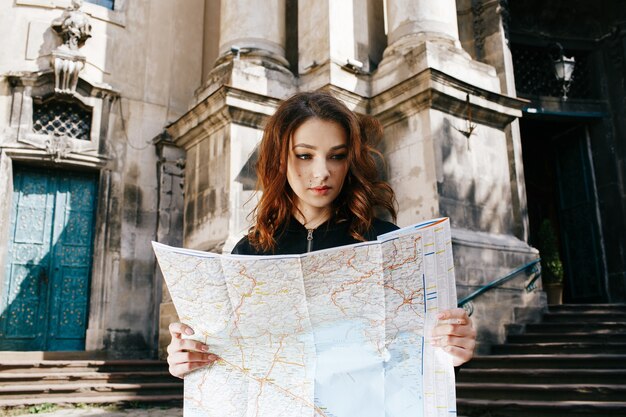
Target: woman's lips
x=323 y=190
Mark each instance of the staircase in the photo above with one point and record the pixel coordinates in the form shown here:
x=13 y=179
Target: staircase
x=31 y=381
x=573 y=363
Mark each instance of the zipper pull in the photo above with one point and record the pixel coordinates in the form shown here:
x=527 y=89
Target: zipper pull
x=309 y=238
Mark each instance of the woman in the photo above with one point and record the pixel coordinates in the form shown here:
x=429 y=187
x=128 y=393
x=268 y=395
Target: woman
x=320 y=190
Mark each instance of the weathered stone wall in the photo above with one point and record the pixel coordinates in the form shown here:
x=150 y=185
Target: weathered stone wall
x=140 y=51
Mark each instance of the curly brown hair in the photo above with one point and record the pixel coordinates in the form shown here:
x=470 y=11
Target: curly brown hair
x=363 y=192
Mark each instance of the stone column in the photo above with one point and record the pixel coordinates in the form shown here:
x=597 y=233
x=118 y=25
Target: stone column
x=258 y=30
x=410 y=22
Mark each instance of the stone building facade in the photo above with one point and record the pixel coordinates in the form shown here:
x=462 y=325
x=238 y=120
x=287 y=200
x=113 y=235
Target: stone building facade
x=451 y=140
x=84 y=171
x=177 y=95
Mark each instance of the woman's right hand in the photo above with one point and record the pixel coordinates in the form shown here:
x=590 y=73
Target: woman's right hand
x=185 y=355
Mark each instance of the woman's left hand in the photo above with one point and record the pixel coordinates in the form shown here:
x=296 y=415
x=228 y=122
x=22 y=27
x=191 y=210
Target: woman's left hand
x=455 y=334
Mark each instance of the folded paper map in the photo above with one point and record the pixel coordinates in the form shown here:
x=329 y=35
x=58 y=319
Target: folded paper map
x=341 y=332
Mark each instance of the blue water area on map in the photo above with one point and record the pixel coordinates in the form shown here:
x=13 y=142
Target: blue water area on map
x=354 y=378
x=349 y=376
x=403 y=376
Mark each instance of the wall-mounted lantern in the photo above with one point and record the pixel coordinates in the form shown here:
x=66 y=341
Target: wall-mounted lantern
x=564 y=70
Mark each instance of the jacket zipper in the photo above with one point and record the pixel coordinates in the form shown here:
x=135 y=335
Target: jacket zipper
x=309 y=238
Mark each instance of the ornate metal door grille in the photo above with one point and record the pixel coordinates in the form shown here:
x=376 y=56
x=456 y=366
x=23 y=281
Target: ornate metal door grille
x=60 y=118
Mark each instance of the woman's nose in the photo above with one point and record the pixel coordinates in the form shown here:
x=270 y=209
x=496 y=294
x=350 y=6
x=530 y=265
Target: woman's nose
x=320 y=170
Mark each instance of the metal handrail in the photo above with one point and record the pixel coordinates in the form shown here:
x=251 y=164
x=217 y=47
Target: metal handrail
x=496 y=283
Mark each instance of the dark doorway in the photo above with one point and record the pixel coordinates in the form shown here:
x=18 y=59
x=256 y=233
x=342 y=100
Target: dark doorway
x=560 y=187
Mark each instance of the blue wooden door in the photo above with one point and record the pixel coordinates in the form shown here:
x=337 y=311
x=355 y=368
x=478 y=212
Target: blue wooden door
x=45 y=294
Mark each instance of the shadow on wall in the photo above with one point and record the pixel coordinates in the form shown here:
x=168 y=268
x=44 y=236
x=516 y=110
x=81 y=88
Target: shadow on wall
x=473 y=182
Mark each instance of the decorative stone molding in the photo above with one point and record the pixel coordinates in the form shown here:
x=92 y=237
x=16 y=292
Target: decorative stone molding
x=67 y=65
x=435 y=89
x=117 y=16
x=73 y=26
x=22 y=141
x=226 y=105
x=74 y=29
x=58 y=147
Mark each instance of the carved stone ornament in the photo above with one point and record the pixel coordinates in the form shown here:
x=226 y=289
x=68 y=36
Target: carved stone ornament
x=73 y=26
x=67 y=66
x=74 y=29
x=58 y=147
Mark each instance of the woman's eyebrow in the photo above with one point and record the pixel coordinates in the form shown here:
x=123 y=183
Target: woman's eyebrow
x=306 y=145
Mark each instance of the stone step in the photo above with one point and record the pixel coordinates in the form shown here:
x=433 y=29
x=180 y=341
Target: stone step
x=32 y=377
x=572 y=337
x=7 y=355
x=559 y=348
x=519 y=408
x=542 y=392
x=73 y=366
x=97 y=398
x=588 y=308
x=587 y=317
x=599 y=327
x=543 y=376
x=26 y=390
x=548 y=361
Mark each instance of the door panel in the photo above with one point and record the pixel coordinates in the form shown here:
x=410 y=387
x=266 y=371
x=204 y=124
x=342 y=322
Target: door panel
x=72 y=265
x=580 y=238
x=24 y=300
x=45 y=296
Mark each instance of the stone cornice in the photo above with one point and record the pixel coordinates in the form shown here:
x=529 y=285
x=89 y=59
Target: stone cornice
x=226 y=105
x=44 y=81
x=43 y=158
x=434 y=89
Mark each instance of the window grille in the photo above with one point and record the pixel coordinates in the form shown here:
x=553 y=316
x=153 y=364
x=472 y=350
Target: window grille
x=59 y=118
x=534 y=72
x=109 y=4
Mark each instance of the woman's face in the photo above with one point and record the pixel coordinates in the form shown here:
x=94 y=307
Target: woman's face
x=317 y=165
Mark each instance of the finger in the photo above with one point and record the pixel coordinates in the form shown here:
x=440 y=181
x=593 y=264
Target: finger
x=454 y=315
x=461 y=342
x=453 y=330
x=178 y=329
x=182 y=369
x=459 y=355
x=193 y=346
x=178 y=358
x=179 y=345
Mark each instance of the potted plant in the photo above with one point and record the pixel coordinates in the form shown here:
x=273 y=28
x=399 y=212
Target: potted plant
x=551 y=265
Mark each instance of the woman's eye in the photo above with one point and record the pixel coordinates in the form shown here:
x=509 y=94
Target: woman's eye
x=339 y=156
x=303 y=156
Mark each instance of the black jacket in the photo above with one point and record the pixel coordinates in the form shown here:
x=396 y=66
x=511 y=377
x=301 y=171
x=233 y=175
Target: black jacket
x=294 y=239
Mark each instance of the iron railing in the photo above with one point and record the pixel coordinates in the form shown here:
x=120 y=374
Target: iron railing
x=532 y=267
